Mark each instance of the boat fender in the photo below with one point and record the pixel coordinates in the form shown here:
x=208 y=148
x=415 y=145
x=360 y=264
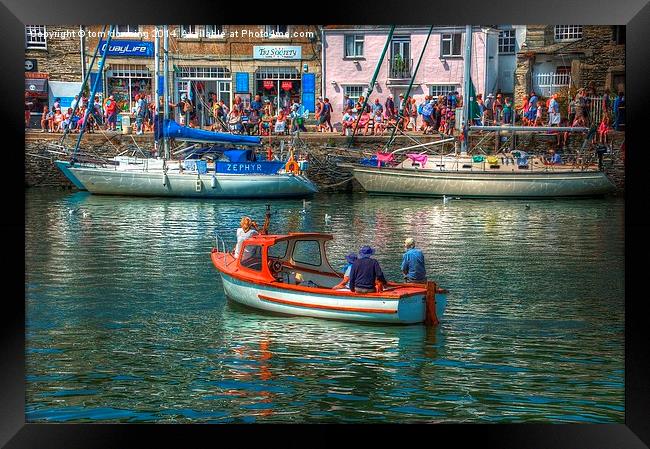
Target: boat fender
x=213 y=182
x=292 y=167
x=199 y=184
x=165 y=180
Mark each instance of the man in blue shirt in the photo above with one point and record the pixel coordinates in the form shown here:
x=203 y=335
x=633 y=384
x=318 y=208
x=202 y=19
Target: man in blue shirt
x=365 y=271
x=413 y=263
x=257 y=104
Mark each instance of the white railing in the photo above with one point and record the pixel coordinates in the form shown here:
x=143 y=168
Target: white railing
x=596 y=109
x=550 y=83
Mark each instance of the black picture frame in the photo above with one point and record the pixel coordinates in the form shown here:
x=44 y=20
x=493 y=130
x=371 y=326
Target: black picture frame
x=635 y=14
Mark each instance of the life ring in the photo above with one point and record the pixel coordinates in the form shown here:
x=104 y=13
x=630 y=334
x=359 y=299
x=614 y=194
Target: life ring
x=292 y=167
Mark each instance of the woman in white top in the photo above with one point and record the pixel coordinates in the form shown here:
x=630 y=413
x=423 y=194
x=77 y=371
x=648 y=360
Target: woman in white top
x=247 y=229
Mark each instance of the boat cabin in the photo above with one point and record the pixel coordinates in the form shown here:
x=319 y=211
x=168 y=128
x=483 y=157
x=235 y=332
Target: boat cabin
x=287 y=259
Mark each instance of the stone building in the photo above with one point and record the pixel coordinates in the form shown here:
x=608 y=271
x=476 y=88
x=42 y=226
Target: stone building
x=554 y=57
x=52 y=65
x=278 y=62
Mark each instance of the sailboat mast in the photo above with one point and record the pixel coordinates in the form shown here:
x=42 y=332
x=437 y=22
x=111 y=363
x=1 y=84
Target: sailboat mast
x=165 y=89
x=90 y=106
x=466 y=88
x=371 y=86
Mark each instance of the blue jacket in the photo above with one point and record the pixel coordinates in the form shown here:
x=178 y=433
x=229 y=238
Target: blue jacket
x=364 y=272
x=413 y=263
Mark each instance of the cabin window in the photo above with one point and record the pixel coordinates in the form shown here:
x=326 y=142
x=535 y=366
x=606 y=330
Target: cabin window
x=252 y=257
x=307 y=252
x=279 y=250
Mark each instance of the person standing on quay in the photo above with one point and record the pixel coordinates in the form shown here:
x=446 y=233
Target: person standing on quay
x=413 y=263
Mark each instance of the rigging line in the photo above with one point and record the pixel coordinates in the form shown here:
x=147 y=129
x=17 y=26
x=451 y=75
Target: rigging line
x=372 y=83
x=83 y=84
x=408 y=91
x=95 y=85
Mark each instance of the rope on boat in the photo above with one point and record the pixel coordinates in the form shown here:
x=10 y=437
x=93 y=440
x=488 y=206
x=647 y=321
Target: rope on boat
x=337 y=184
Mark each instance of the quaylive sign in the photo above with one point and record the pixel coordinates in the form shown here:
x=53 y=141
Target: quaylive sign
x=128 y=48
x=277 y=52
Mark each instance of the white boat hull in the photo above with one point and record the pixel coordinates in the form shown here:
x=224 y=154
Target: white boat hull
x=408 y=310
x=112 y=181
x=543 y=184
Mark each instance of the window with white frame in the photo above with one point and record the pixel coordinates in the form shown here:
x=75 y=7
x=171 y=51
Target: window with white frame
x=568 y=32
x=189 y=31
x=127 y=29
x=277 y=73
x=35 y=36
x=507 y=41
x=203 y=72
x=438 y=90
x=276 y=30
x=213 y=31
x=353 y=45
x=450 y=44
x=354 y=92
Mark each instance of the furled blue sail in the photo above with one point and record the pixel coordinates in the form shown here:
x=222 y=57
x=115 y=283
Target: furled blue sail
x=173 y=130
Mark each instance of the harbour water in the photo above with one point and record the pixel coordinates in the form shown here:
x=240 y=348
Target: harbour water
x=126 y=320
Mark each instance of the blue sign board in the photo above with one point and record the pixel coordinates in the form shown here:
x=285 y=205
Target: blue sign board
x=128 y=48
x=241 y=85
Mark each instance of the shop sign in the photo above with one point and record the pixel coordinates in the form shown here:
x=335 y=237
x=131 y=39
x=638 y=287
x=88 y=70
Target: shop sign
x=36 y=75
x=128 y=48
x=286 y=85
x=268 y=84
x=31 y=65
x=277 y=52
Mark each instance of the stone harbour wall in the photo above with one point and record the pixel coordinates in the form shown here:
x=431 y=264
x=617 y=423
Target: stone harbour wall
x=324 y=152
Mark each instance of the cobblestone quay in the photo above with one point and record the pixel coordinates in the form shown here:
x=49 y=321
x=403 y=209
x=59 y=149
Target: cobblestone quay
x=324 y=149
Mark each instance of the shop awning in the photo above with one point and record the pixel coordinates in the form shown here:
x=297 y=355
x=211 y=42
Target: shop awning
x=36 y=86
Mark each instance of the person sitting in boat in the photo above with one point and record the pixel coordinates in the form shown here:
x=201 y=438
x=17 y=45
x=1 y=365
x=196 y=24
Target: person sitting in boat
x=366 y=273
x=345 y=282
x=247 y=229
x=413 y=263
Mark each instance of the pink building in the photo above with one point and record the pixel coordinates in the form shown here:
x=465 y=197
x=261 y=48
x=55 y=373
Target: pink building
x=350 y=55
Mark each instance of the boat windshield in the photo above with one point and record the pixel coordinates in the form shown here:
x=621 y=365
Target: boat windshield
x=279 y=250
x=252 y=257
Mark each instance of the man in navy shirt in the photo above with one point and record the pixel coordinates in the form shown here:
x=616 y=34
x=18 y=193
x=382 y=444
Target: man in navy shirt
x=413 y=263
x=365 y=271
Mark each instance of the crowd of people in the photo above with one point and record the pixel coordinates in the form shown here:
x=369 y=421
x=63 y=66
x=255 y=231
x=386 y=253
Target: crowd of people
x=434 y=114
x=97 y=115
x=256 y=118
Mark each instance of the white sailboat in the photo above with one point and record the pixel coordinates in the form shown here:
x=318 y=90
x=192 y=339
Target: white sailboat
x=216 y=166
x=508 y=175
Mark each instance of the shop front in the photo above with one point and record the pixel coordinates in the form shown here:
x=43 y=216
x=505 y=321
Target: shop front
x=125 y=81
x=36 y=91
x=280 y=85
x=279 y=78
x=199 y=83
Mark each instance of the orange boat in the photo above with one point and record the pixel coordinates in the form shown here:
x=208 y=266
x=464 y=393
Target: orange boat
x=264 y=276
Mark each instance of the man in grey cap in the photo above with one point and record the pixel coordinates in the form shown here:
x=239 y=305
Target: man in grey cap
x=413 y=263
